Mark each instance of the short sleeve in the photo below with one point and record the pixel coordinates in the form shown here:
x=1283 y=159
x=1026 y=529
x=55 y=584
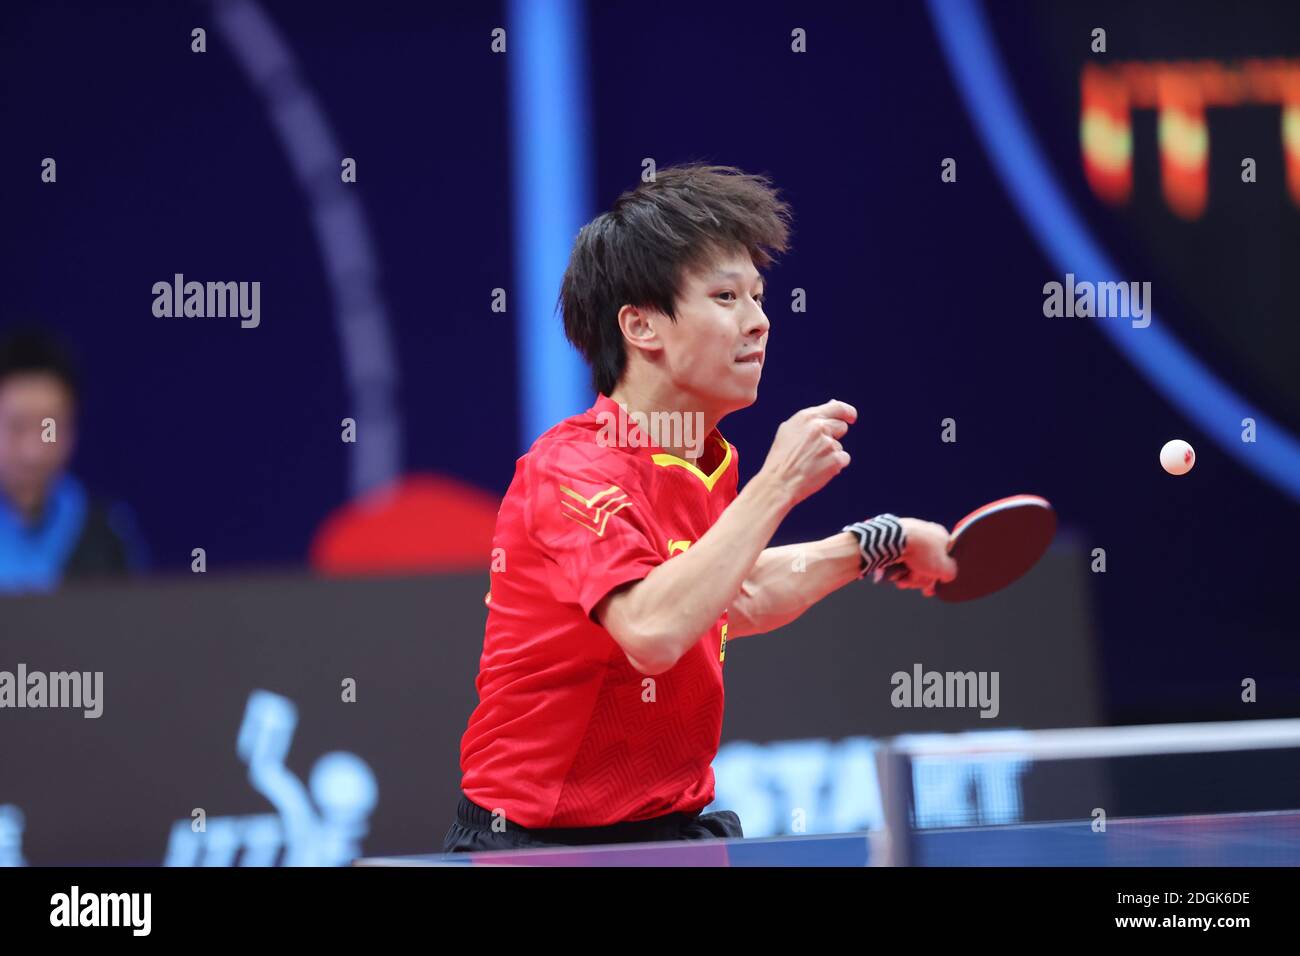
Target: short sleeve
x=590 y=519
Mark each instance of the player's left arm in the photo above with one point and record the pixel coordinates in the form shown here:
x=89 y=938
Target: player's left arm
x=787 y=580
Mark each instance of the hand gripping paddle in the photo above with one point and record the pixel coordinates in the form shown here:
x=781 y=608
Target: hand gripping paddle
x=994 y=546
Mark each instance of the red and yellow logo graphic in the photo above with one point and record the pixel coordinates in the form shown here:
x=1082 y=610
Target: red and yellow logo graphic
x=595 y=511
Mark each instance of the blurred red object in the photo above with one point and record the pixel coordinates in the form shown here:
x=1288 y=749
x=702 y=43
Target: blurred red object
x=420 y=523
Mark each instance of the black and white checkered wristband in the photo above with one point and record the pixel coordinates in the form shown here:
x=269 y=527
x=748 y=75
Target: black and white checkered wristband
x=881 y=542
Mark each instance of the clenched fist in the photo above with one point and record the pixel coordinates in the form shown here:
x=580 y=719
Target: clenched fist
x=806 y=452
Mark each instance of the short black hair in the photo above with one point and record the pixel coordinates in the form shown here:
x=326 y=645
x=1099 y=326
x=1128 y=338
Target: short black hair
x=35 y=350
x=638 y=252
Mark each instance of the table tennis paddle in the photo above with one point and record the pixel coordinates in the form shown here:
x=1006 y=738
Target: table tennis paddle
x=994 y=546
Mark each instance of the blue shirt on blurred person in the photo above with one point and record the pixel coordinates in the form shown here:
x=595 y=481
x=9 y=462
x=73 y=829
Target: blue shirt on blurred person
x=51 y=530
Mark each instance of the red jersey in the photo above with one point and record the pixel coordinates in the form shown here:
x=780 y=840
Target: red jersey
x=567 y=733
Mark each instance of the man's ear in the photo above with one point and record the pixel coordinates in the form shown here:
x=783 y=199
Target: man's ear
x=639 y=328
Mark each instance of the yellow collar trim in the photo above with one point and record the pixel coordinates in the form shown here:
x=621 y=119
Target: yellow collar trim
x=663 y=458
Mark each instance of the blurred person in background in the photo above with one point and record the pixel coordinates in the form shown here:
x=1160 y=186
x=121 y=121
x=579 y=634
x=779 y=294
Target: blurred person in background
x=51 y=530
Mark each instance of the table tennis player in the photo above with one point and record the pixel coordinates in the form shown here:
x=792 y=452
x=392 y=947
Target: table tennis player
x=625 y=560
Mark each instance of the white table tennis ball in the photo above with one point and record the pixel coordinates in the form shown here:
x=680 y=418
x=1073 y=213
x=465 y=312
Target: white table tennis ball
x=1177 y=457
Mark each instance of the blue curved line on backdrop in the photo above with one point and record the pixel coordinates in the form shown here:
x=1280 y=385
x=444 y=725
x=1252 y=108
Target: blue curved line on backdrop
x=1177 y=374
x=361 y=320
x=550 y=145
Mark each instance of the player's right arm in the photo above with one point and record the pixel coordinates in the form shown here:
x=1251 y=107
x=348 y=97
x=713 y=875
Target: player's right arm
x=657 y=619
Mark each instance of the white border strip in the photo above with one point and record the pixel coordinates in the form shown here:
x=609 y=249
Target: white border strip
x=1096 y=742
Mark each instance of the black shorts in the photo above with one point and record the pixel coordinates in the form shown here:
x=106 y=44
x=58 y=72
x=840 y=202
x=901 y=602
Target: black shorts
x=472 y=831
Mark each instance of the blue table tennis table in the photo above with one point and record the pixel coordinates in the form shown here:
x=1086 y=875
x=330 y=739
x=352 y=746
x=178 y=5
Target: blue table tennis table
x=1236 y=839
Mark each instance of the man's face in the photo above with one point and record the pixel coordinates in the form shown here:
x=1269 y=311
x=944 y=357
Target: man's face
x=29 y=465
x=715 y=350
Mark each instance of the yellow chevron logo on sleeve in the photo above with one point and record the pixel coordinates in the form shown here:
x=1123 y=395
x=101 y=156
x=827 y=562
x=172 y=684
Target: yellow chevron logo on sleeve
x=591 y=515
